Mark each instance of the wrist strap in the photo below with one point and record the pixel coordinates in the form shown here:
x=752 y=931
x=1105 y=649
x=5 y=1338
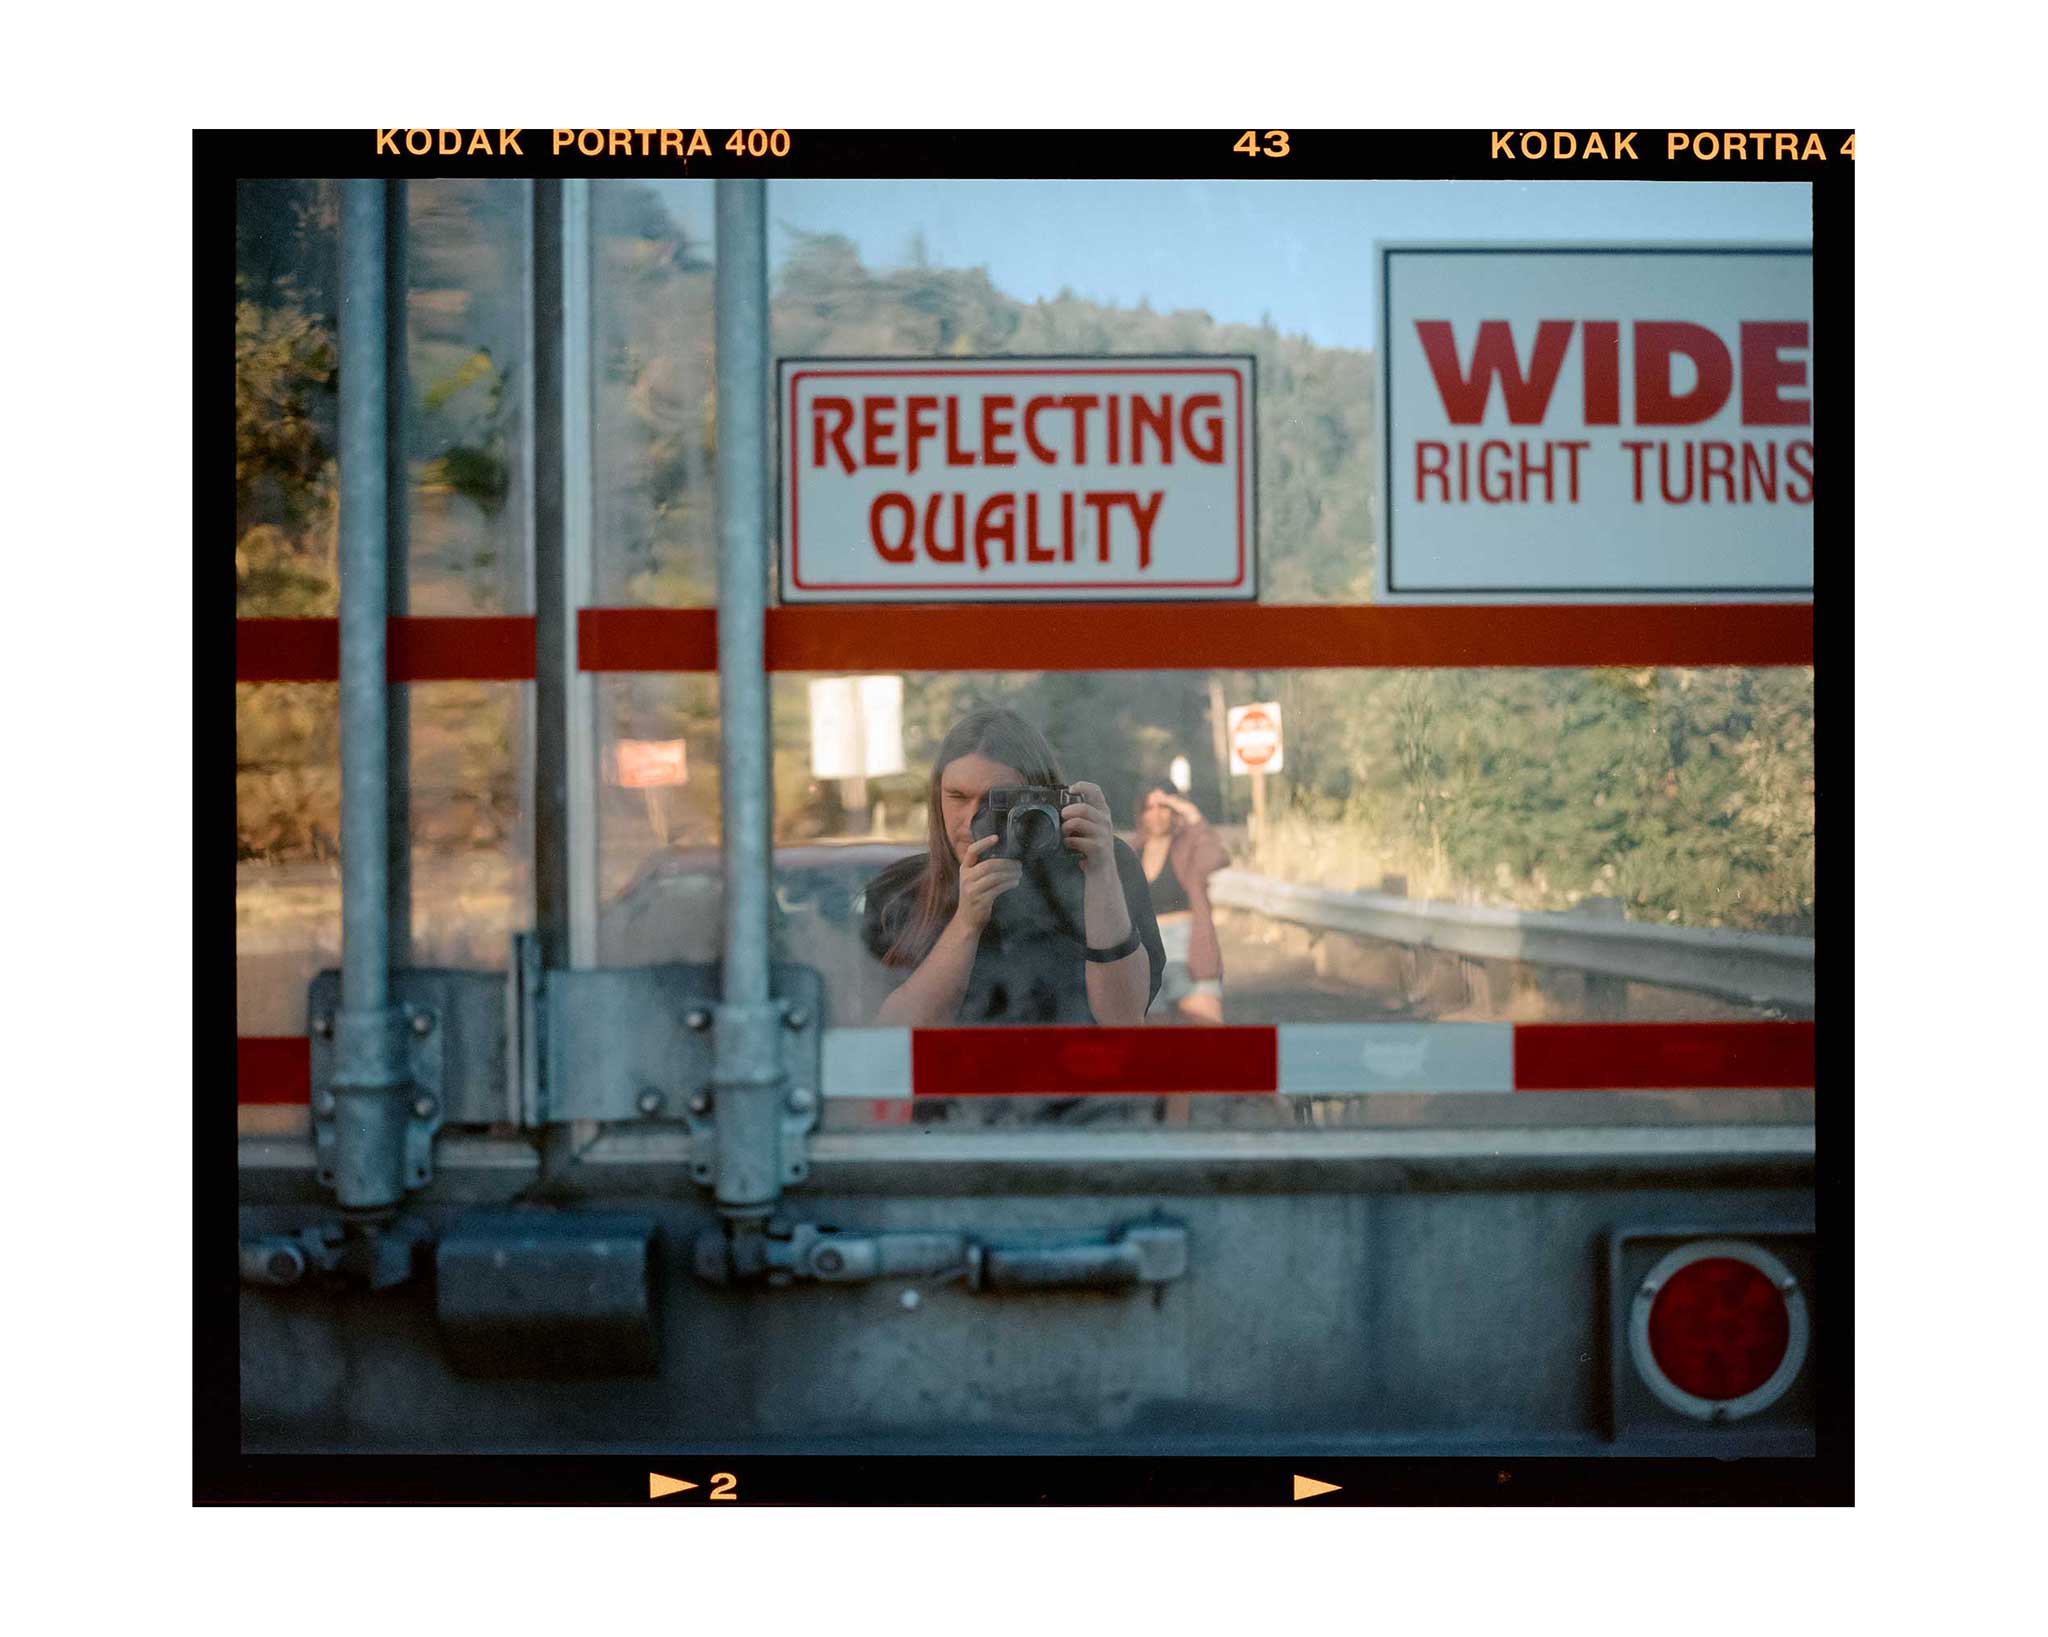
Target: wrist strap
x=1116 y=954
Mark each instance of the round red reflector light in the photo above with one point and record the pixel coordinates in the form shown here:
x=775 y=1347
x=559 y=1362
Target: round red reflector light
x=1719 y=1328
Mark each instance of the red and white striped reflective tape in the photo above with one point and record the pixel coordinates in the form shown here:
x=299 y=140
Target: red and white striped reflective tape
x=1293 y=1059
x=1318 y=1059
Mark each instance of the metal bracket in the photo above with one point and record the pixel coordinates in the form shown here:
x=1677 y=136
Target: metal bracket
x=1149 y=1252
x=637 y=1044
x=379 y=1255
x=424 y=1006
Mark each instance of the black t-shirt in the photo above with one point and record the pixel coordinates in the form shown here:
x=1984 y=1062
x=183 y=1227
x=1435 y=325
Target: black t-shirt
x=1029 y=967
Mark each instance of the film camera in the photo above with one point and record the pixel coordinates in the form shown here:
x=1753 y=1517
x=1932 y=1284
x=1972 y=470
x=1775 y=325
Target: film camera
x=1026 y=818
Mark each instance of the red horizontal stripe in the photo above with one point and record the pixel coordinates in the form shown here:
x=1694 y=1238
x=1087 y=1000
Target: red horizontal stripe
x=1088 y=637
x=1662 y=1056
x=647 y=639
x=273 y=1069
x=287 y=650
x=419 y=648
x=1205 y=636
x=1066 y=1062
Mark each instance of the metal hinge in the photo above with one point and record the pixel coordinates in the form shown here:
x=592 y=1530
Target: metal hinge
x=638 y=1045
x=421 y=1009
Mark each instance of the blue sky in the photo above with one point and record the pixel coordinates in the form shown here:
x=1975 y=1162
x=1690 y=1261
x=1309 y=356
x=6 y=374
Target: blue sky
x=1300 y=252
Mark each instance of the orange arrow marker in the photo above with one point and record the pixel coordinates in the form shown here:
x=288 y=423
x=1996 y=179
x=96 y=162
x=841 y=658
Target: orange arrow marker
x=659 y=1484
x=1305 y=1487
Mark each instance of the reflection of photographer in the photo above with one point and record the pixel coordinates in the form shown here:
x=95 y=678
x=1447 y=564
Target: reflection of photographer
x=1078 y=943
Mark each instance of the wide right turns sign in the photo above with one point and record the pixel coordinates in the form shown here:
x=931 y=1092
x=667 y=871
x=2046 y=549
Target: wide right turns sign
x=1587 y=423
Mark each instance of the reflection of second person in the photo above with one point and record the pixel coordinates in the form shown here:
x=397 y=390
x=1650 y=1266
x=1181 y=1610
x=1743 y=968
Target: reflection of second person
x=1179 y=852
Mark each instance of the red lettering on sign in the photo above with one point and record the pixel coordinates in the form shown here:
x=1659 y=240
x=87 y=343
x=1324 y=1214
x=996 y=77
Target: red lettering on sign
x=1465 y=392
x=1600 y=342
x=1159 y=421
x=1656 y=345
x=992 y=428
x=1800 y=458
x=1204 y=440
x=1080 y=403
x=835 y=436
x=916 y=428
x=877 y=421
x=1032 y=411
x=903 y=551
x=1766 y=372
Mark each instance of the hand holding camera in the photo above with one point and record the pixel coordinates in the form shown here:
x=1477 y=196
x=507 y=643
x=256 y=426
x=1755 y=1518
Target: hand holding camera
x=1089 y=832
x=1035 y=824
x=984 y=877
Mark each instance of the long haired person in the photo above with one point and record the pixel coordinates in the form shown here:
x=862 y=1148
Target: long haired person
x=1065 y=937
x=1178 y=853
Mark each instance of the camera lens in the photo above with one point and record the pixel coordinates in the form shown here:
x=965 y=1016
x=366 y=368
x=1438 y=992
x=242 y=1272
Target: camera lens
x=1031 y=829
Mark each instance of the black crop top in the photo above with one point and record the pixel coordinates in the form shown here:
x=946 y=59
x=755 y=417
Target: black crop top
x=1168 y=895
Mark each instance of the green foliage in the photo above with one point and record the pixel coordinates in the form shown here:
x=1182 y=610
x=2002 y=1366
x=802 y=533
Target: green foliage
x=284 y=461
x=1689 y=794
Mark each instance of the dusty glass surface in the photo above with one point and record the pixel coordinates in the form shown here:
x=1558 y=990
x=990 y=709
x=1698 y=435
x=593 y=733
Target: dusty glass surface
x=465 y=252
x=469 y=882
x=1659 y=798
x=653 y=410
x=1666 y=801
x=659 y=869
x=286 y=362
x=466 y=395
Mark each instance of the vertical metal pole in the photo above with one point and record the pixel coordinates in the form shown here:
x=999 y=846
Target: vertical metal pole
x=397 y=558
x=579 y=570
x=370 y=1055
x=747 y=1079
x=554 y=651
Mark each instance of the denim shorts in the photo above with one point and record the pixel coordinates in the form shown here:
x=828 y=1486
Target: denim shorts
x=1177 y=982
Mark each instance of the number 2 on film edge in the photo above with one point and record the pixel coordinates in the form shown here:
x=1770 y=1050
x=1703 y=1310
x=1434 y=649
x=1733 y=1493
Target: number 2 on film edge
x=724 y=1487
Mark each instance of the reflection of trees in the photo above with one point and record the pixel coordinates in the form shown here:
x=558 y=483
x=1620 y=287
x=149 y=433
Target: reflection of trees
x=464 y=318
x=1683 y=792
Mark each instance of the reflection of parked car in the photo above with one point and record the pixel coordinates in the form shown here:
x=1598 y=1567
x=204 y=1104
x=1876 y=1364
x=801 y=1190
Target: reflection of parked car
x=672 y=910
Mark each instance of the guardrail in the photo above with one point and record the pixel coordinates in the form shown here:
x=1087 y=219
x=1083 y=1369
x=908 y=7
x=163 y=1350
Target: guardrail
x=1758 y=967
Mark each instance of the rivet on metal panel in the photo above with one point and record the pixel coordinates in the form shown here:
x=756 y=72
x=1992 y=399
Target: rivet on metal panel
x=423 y=1024
x=700 y=1104
x=651 y=1101
x=802 y=1101
x=323 y=1026
x=699 y=1019
x=796 y=1020
x=424 y=1108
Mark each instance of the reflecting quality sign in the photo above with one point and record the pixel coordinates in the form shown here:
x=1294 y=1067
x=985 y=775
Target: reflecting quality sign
x=1592 y=423
x=1016 y=479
